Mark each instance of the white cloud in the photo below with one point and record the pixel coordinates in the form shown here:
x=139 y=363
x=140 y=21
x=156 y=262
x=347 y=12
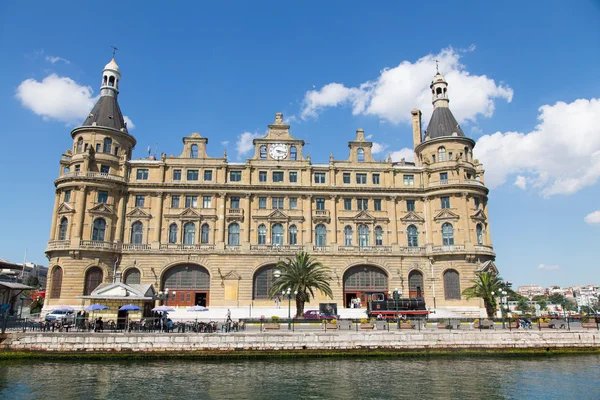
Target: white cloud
x=378 y=148
x=225 y=142
x=593 y=218
x=521 y=182
x=396 y=91
x=560 y=156
x=129 y=122
x=244 y=143
x=406 y=153
x=368 y=137
x=54 y=60
x=548 y=267
x=58 y=98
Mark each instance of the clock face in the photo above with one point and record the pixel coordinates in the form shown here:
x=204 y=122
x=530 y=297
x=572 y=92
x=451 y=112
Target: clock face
x=278 y=151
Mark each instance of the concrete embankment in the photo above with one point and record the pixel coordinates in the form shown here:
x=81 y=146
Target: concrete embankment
x=322 y=343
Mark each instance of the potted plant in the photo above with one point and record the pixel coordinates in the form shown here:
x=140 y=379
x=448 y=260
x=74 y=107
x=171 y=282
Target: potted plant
x=365 y=324
x=406 y=324
x=544 y=322
x=331 y=324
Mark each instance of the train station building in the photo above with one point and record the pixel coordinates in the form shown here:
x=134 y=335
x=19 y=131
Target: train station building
x=211 y=230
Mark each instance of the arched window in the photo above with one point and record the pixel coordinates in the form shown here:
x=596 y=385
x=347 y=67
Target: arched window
x=194 y=151
x=415 y=284
x=111 y=81
x=205 y=230
x=320 y=235
x=189 y=233
x=62 y=229
x=132 y=276
x=57 y=274
x=99 y=229
x=447 y=234
x=479 y=230
x=438 y=91
x=173 y=233
x=293 y=234
x=234 y=235
x=263 y=280
x=79 y=145
x=263 y=152
x=442 y=154
x=363 y=236
x=451 y=285
x=466 y=154
x=293 y=153
x=107 y=146
x=378 y=236
x=93 y=279
x=137 y=232
x=104 y=80
x=262 y=234
x=277 y=235
x=348 y=235
x=413 y=236
x=361 y=155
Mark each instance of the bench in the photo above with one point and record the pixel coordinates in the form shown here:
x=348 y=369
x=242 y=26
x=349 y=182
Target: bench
x=367 y=326
x=271 y=326
x=329 y=327
x=558 y=323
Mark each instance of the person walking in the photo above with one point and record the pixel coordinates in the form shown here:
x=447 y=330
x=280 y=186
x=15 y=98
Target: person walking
x=277 y=302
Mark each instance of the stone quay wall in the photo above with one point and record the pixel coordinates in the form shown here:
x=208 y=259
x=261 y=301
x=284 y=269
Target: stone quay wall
x=323 y=341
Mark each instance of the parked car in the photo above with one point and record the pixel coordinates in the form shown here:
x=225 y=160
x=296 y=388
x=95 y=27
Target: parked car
x=61 y=316
x=315 y=314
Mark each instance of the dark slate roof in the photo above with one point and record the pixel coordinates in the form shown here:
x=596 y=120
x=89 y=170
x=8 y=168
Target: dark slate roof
x=106 y=113
x=443 y=123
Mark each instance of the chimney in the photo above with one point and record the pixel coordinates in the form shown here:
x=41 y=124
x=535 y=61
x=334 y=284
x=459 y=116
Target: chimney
x=416 y=123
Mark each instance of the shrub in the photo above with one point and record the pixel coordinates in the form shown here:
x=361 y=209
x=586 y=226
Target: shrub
x=275 y=318
x=476 y=321
x=407 y=322
x=333 y=321
x=363 y=321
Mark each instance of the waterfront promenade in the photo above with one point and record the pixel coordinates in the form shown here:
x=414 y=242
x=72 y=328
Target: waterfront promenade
x=256 y=341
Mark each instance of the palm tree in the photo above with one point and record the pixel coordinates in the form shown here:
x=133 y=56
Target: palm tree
x=485 y=286
x=301 y=274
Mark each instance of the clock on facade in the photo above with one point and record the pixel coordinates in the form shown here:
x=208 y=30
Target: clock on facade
x=278 y=151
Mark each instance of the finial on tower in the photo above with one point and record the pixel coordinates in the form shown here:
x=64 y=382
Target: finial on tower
x=114 y=50
x=437 y=69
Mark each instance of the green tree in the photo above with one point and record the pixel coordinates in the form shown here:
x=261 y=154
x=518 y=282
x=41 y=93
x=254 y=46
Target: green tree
x=542 y=301
x=32 y=281
x=523 y=306
x=485 y=286
x=302 y=274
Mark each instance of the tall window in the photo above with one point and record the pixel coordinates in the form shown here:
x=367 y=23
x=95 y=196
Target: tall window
x=262 y=176
x=447 y=234
x=321 y=235
x=139 y=200
x=413 y=236
x=80 y=145
x=263 y=152
x=235 y=176
x=233 y=238
x=277 y=176
x=189 y=233
x=192 y=174
x=103 y=196
x=363 y=235
x=93 y=279
x=479 y=230
x=262 y=203
x=451 y=285
x=445 y=202
x=442 y=154
x=362 y=204
x=410 y=205
x=320 y=204
x=375 y=179
x=175 y=201
x=107 y=149
x=234 y=202
x=347 y=204
x=361 y=179
x=176 y=174
x=205 y=231
x=137 y=232
x=293 y=231
x=377 y=204
x=348 y=235
x=191 y=201
x=67 y=196
x=319 y=177
x=361 y=155
x=409 y=180
x=378 y=236
x=293 y=203
x=346 y=177
x=444 y=178
x=476 y=202
x=277 y=203
x=208 y=175
x=262 y=234
x=173 y=233
x=293 y=177
x=132 y=276
x=194 y=151
x=57 y=274
x=62 y=229
x=293 y=153
x=141 y=174
x=206 y=200
x=98 y=230
x=104 y=169
x=277 y=235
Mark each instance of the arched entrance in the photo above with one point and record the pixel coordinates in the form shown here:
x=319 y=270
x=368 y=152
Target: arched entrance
x=415 y=284
x=262 y=282
x=188 y=284
x=362 y=280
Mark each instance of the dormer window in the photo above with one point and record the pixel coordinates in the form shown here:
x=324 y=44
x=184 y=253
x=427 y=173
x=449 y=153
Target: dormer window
x=442 y=153
x=194 y=151
x=263 y=152
x=79 y=145
x=293 y=153
x=360 y=155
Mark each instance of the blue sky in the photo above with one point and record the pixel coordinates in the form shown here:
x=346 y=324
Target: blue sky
x=523 y=82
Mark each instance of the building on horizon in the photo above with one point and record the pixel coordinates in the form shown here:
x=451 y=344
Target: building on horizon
x=211 y=230
x=15 y=272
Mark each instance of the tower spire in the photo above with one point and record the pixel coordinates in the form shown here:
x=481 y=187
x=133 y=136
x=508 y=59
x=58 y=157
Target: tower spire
x=439 y=90
x=111 y=75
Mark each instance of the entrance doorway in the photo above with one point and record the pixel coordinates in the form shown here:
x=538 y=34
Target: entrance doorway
x=361 y=281
x=415 y=284
x=189 y=282
x=201 y=299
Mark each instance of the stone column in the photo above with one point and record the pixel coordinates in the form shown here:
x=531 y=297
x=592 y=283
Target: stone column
x=159 y=216
x=54 y=216
x=394 y=220
x=120 y=218
x=80 y=210
x=221 y=212
x=333 y=212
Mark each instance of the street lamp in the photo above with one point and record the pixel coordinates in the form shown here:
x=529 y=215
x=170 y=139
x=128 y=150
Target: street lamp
x=396 y=297
x=288 y=293
x=502 y=294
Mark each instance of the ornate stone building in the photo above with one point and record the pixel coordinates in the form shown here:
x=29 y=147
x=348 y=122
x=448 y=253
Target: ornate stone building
x=212 y=231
